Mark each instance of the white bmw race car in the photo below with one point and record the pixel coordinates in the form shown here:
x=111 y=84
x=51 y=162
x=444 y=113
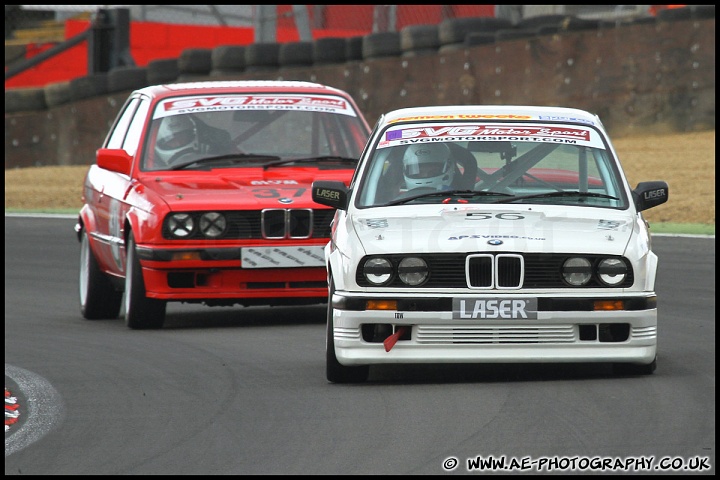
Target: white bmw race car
x=480 y=234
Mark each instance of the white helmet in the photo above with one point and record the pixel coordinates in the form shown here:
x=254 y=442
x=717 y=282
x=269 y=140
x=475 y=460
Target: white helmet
x=176 y=135
x=428 y=165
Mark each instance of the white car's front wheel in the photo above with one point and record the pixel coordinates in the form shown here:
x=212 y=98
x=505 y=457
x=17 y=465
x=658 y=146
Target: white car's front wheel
x=336 y=372
x=635 y=369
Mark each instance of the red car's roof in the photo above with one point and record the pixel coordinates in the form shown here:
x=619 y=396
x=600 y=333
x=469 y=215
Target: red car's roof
x=239 y=86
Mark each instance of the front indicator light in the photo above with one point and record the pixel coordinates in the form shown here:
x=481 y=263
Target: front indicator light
x=180 y=256
x=381 y=305
x=606 y=305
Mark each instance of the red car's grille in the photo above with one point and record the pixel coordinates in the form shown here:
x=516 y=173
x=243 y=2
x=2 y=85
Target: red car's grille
x=276 y=223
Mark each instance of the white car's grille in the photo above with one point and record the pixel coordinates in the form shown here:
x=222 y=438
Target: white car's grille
x=347 y=333
x=489 y=271
x=500 y=270
x=644 y=332
x=495 y=334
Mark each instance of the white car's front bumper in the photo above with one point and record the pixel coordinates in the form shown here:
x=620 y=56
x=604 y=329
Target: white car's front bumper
x=554 y=336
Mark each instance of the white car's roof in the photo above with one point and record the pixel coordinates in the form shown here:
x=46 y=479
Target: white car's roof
x=490 y=112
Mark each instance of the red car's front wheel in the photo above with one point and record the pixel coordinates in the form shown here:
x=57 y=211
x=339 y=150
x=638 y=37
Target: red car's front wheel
x=98 y=297
x=141 y=312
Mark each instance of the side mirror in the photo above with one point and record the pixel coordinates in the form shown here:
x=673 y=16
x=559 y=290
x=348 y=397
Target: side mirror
x=114 y=159
x=650 y=194
x=331 y=193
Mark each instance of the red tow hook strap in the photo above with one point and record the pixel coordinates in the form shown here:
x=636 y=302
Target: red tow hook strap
x=392 y=339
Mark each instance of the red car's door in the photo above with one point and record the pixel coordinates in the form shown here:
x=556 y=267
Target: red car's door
x=110 y=180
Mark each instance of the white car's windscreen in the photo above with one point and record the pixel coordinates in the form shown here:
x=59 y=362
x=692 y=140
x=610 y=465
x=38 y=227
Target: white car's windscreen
x=523 y=163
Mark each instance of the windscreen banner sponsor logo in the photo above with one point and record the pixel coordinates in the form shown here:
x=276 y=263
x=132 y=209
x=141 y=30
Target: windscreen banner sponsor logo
x=557 y=118
x=490 y=133
x=464 y=116
x=317 y=103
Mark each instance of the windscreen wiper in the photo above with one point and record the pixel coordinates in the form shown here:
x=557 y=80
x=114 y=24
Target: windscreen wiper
x=557 y=194
x=318 y=158
x=229 y=158
x=446 y=193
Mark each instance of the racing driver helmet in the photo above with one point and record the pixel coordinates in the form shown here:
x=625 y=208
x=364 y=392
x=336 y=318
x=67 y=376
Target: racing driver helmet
x=428 y=165
x=176 y=135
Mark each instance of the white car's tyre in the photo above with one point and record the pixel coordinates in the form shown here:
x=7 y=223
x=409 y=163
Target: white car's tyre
x=635 y=369
x=141 y=312
x=336 y=372
x=98 y=297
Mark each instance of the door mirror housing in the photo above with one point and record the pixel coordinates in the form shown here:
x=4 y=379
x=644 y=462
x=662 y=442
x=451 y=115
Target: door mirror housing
x=331 y=193
x=114 y=159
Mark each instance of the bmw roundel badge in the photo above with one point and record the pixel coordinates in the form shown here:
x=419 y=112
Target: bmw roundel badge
x=285 y=200
x=495 y=241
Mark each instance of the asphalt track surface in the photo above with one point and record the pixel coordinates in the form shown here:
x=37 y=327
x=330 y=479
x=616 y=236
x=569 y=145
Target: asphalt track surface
x=243 y=390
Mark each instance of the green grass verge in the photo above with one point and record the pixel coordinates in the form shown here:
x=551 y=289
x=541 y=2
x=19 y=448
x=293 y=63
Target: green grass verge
x=683 y=228
x=671 y=228
x=53 y=211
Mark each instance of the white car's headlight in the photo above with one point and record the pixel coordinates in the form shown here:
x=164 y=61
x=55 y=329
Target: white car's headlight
x=181 y=225
x=413 y=271
x=612 y=271
x=378 y=270
x=213 y=224
x=577 y=271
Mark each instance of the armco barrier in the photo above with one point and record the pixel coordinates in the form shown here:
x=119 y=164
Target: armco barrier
x=654 y=76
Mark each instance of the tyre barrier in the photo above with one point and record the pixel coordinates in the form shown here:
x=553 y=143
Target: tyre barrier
x=58 y=93
x=162 y=70
x=194 y=64
x=25 y=99
x=89 y=86
x=329 y=50
x=264 y=56
x=419 y=40
x=295 y=54
x=122 y=79
x=353 y=48
x=201 y=63
x=227 y=60
x=453 y=30
x=381 y=44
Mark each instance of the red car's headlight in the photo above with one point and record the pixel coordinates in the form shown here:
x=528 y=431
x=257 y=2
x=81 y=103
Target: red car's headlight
x=180 y=225
x=213 y=224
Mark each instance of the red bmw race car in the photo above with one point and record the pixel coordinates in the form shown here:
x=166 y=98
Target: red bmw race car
x=201 y=193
